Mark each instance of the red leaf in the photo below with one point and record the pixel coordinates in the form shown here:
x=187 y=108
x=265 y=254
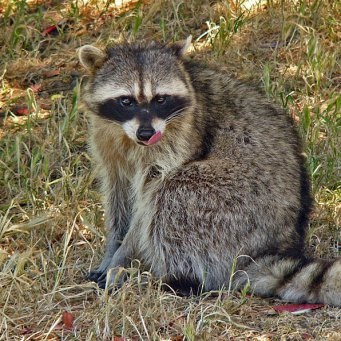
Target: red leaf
x=49 y=30
x=53 y=29
x=36 y=87
x=21 y=111
x=68 y=319
x=296 y=308
x=51 y=73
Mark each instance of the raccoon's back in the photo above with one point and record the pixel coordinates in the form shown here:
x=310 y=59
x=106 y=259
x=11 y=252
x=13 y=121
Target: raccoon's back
x=248 y=129
x=244 y=121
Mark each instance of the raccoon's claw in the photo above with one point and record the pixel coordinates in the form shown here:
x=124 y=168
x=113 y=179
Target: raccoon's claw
x=102 y=280
x=94 y=276
x=116 y=279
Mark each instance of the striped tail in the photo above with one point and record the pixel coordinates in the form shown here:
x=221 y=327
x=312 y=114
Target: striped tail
x=297 y=280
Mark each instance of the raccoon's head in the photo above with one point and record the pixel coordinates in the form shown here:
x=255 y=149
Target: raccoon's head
x=144 y=88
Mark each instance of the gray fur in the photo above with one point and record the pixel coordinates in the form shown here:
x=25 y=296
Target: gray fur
x=226 y=182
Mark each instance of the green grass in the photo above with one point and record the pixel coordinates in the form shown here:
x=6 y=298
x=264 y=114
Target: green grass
x=51 y=219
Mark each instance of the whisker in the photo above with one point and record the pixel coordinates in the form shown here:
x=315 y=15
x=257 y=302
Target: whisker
x=177 y=113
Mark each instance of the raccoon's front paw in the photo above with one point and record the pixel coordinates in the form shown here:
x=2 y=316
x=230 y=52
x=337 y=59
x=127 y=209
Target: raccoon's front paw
x=113 y=278
x=95 y=275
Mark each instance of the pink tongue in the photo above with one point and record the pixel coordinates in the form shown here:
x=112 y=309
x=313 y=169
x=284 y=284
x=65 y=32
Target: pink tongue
x=155 y=138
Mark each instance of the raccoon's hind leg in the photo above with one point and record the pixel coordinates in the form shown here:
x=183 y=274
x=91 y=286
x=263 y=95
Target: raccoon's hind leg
x=117 y=219
x=297 y=280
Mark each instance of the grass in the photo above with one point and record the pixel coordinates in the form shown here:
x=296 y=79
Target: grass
x=51 y=219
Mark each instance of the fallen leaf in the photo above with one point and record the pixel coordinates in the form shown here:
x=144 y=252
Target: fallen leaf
x=297 y=308
x=53 y=29
x=49 y=30
x=45 y=106
x=36 y=87
x=67 y=319
x=51 y=73
x=21 y=111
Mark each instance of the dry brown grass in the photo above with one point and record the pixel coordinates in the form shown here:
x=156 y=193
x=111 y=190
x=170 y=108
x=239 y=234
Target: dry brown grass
x=51 y=225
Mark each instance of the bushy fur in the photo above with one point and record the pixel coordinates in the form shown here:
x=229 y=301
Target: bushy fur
x=226 y=182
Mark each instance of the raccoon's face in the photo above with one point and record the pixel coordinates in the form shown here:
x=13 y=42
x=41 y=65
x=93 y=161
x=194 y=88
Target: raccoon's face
x=141 y=88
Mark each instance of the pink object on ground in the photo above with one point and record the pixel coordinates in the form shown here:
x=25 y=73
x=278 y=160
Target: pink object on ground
x=296 y=308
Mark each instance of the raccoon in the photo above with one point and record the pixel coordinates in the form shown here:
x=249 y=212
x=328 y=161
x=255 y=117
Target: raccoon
x=203 y=178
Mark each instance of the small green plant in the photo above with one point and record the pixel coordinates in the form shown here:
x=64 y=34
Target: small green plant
x=137 y=21
x=22 y=27
x=220 y=34
x=74 y=11
x=320 y=63
x=321 y=130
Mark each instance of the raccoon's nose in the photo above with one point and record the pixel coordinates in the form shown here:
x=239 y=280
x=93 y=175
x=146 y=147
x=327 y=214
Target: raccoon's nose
x=144 y=134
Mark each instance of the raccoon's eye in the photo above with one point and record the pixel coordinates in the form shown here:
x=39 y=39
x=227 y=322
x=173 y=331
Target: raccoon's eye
x=160 y=99
x=126 y=101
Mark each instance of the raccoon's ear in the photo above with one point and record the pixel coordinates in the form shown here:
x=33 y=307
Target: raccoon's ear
x=180 y=48
x=91 y=57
